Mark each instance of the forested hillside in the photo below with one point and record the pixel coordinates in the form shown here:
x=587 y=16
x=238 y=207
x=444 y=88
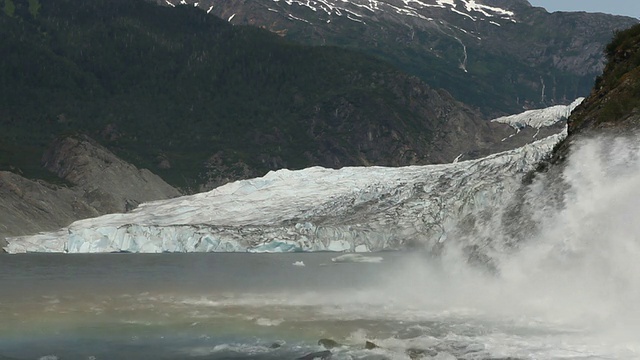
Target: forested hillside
x=200 y=101
x=498 y=55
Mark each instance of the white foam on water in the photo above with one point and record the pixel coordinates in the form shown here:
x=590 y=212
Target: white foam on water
x=269 y=322
x=579 y=275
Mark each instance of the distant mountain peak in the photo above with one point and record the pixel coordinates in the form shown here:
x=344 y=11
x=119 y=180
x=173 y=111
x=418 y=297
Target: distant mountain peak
x=501 y=56
x=361 y=10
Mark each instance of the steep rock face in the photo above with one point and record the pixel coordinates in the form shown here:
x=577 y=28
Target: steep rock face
x=108 y=183
x=28 y=206
x=100 y=182
x=501 y=56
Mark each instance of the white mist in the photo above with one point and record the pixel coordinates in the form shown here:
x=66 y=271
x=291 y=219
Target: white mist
x=578 y=274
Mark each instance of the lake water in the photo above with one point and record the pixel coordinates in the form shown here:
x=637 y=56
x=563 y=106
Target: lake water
x=270 y=306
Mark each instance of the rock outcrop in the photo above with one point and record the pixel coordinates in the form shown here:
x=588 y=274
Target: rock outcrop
x=98 y=183
x=107 y=182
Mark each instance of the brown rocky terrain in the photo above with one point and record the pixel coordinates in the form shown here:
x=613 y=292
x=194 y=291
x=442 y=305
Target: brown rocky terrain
x=97 y=182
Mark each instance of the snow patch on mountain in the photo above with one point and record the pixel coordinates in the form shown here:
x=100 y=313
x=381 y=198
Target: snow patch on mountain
x=413 y=8
x=472 y=5
x=354 y=209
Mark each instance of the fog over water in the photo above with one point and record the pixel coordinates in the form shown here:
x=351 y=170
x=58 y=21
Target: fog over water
x=569 y=290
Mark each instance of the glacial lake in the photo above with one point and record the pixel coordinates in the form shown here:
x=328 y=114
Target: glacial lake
x=278 y=306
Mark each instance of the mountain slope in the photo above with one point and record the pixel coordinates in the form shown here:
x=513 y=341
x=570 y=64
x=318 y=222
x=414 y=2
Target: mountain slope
x=615 y=100
x=201 y=102
x=613 y=107
x=501 y=56
x=94 y=182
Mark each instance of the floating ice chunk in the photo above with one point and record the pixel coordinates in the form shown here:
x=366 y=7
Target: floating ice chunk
x=299 y=263
x=269 y=322
x=356 y=258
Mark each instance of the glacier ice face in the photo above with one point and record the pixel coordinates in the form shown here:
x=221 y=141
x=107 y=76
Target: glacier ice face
x=540 y=117
x=315 y=209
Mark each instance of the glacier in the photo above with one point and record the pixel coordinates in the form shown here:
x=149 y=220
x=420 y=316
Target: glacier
x=539 y=118
x=353 y=209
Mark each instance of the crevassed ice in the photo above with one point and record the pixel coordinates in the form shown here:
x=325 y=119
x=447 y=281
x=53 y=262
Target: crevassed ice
x=355 y=209
x=540 y=117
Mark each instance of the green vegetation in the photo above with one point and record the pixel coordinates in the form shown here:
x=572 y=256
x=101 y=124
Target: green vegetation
x=9 y=8
x=623 y=55
x=623 y=41
x=617 y=91
x=507 y=67
x=156 y=83
x=34 y=7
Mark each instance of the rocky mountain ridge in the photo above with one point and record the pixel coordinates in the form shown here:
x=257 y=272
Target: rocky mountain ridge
x=501 y=56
